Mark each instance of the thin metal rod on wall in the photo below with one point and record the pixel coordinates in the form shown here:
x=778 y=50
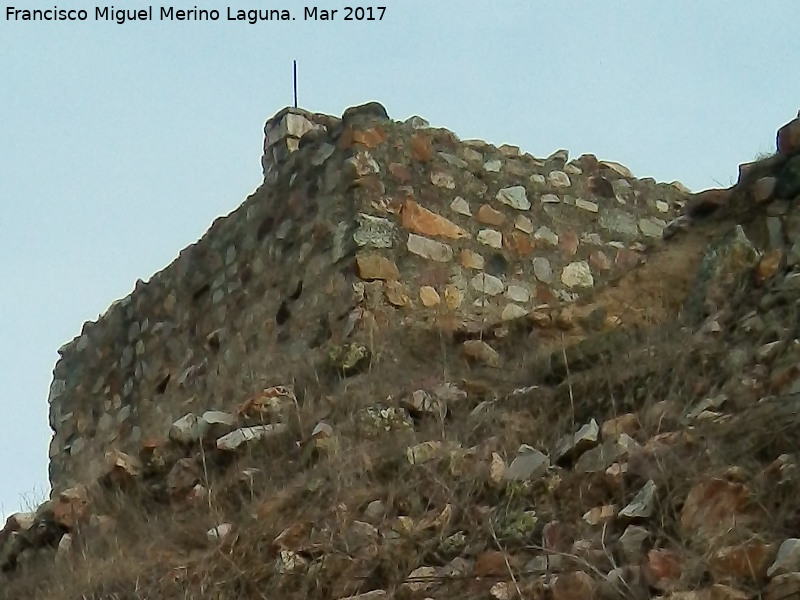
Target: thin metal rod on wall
x=294 y=69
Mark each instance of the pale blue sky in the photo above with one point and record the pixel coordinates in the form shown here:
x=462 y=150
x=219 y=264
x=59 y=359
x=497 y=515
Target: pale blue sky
x=120 y=144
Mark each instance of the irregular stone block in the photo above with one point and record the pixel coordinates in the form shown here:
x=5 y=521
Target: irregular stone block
x=375 y=266
x=489 y=216
x=491 y=238
x=619 y=221
x=189 y=428
x=481 y=351
x=788 y=138
x=577 y=274
x=542 y=269
x=425 y=222
x=546 y=235
x=515 y=197
x=374 y=232
x=586 y=205
x=558 y=179
x=643 y=504
x=487 y=284
x=529 y=463
x=460 y=206
x=239 y=437
x=430 y=249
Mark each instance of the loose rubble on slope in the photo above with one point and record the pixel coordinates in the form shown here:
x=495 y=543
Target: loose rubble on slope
x=537 y=387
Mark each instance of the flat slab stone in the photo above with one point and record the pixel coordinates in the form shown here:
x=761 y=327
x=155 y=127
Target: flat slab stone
x=419 y=219
x=512 y=311
x=487 y=284
x=652 y=227
x=189 y=428
x=515 y=197
x=239 y=437
x=490 y=237
x=518 y=293
x=559 y=179
x=619 y=221
x=528 y=464
x=430 y=249
x=542 y=269
x=492 y=166
x=586 y=205
x=546 y=234
x=460 y=206
x=375 y=266
x=523 y=223
x=480 y=350
x=643 y=503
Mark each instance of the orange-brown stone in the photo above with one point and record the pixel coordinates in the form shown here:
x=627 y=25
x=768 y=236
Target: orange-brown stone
x=375 y=266
x=371 y=138
x=71 y=507
x=421 y=147
x=489 y=216
x=345 y=141
x=396 y=294
x=769 y=265
x=435 y=276
x=491 y=563
x=120 y=468
x=519 y=242
x=557 y=537
x=577 y=585
x=544 y=294
x=782 y=378
x=482 y=352
x=599 y=261
x=470 y=259
x=744 y=561
x=421 y=220
x=662 y=569
x=568 y=243
x=540 y=319
x=626 y=259
x=293 y=537
x=453 y=297
x=627 y=423
x=715 y=507
x=400 y=172
x=429 y=296
x=373 y=184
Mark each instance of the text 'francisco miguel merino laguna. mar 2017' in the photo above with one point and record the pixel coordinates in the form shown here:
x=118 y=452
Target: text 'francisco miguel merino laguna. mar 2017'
x=170 y=13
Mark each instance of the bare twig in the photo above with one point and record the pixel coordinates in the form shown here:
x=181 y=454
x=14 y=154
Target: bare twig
x=569 y=383
x=505 y=558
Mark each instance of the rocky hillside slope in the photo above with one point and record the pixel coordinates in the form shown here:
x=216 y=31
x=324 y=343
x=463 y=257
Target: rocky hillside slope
x=465 y=372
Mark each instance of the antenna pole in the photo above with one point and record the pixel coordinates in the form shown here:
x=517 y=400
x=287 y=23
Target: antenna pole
x=294 y=69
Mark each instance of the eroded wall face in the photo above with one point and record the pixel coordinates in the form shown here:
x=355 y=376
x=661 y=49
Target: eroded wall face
x=209 y=328
x=362 y=225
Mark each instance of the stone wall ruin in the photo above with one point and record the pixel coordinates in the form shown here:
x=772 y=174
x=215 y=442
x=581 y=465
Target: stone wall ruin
x=362 y=225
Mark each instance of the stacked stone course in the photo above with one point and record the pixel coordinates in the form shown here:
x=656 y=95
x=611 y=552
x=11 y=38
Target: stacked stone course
x=363 y=225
